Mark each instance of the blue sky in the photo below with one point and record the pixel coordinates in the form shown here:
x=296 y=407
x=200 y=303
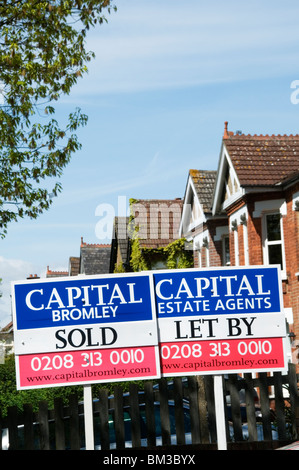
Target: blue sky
x=167 y=74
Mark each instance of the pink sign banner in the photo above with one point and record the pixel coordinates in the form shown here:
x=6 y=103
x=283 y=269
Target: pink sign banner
x=219 y=357
x=86 y=367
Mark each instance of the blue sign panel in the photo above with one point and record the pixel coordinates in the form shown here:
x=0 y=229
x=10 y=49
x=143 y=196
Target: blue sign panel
x=75 y=301
x=217 y=291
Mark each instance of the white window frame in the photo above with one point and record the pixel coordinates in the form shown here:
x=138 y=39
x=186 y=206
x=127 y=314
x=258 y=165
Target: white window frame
x=246 y=247
x=224 y=240
x=236 y=246
x=267 y=243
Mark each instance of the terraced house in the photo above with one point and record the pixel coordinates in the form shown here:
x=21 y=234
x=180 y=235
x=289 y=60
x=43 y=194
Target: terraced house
x=247 y=211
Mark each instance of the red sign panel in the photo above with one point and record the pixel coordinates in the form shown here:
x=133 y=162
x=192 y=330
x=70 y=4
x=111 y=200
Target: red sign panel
x=90 y=366
x=219 y=356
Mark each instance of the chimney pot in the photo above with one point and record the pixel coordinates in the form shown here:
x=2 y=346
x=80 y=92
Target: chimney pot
x=225 y=135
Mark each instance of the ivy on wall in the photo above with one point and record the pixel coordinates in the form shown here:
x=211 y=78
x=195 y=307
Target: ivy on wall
x=174 y=256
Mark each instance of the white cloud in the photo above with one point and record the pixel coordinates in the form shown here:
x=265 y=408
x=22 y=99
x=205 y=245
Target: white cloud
x=164 y=44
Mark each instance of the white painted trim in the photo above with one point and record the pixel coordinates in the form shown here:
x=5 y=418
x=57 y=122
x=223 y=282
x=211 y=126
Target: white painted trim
x=295 y=198
x=185 y=225
x=219 y=179
x=237 y=216
x=225 y=161
x=220 y=232
x=289 y=315
x=265 y=244
x=268 y=206
x=198 y=239
x=198 y=244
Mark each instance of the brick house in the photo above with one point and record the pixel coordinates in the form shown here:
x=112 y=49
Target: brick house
x=149 y=238
x=251 y=215
x=208 y=232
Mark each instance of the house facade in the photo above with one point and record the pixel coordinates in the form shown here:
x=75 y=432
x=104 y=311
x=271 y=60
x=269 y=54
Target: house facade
x=208 y=232
x=149 y=238
x=245 y=212
x=251 y=216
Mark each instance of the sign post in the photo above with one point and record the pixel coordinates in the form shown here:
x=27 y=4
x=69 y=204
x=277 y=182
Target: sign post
x=219 y=321
x=220 y=413
x=88 y=417
x=121 y=327
x=84 y=330
x=72 y=331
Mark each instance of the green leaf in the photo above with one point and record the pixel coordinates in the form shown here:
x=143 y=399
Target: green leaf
x=42 y=56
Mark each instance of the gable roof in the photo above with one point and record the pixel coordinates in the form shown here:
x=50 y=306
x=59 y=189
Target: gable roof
x=204 y=183
x=263 y=160
x=255 y=161
x=157 y=221
x=200 y=187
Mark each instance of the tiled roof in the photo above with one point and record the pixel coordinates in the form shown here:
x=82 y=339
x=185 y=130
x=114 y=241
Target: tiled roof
x=8 y=328
x=94 y=258
x=263 y=160
x=158 y=221
x=51 y=273
x=204 y=182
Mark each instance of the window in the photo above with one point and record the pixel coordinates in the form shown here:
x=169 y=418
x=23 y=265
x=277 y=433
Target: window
x=225 y=251
x=273 y=241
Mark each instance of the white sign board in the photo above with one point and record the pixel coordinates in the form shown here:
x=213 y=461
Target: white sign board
x=80 y=330
x=220 y=320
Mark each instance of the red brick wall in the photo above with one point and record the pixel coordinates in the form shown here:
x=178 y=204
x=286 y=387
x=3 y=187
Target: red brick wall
x=255 y=248
x=290 y=286
x=291 y=243
x=255 y=241
x=215 y=247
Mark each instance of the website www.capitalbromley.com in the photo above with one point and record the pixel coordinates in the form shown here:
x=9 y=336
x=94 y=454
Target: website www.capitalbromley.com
x=88 y=375
x=218 y=365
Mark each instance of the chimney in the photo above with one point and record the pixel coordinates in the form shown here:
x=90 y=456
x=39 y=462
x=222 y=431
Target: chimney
x=225 y=135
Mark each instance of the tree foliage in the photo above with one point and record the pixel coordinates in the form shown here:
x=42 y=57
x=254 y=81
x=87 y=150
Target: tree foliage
x=10 y=396
x=42 y=55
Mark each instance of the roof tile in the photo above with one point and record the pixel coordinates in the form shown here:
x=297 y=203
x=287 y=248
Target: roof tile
x=204 y=182
x=263 y=160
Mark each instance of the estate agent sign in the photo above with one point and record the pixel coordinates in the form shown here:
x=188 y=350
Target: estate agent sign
x=83 y=330
x=86 y=329
x=220 y=320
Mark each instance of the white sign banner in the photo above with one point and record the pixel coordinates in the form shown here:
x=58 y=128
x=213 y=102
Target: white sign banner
x=211 y=327
x=92 y=336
